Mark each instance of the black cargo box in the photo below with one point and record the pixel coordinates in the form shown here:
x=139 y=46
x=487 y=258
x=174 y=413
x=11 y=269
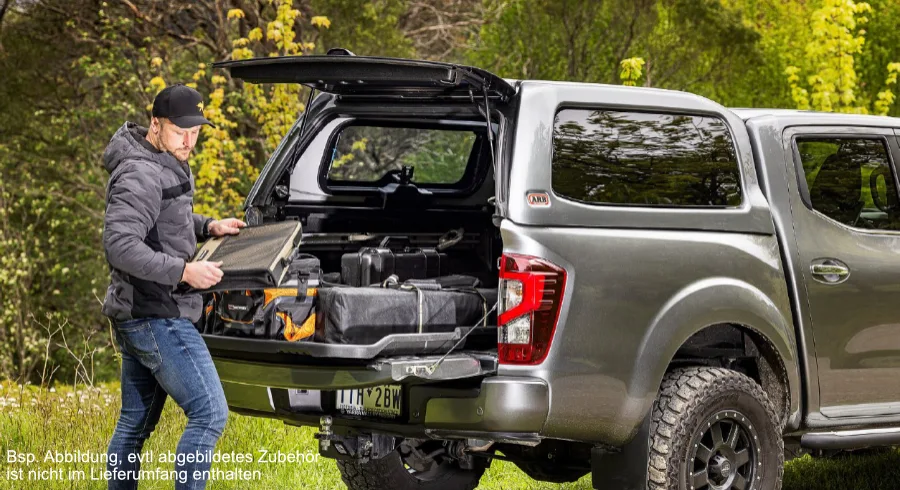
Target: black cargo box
x=374 y=265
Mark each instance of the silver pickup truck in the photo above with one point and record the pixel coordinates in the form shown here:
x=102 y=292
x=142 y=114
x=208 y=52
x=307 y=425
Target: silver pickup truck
x=684 y=289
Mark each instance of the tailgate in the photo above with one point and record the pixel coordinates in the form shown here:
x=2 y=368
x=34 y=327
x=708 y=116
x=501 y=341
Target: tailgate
x=391 y=389
x=416 y=396
x=409 y=396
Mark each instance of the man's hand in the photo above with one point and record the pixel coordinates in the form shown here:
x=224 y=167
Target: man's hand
x=203 y=274
x=228 y=226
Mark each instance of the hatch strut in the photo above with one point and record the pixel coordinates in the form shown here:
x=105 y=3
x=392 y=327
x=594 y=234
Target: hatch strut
x=295 y=154
x=487 y=118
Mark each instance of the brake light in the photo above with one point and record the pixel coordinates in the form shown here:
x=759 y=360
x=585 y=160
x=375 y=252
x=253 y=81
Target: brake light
x=531 y=293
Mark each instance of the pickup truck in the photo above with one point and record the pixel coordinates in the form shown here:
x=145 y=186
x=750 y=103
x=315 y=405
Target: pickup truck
x=684 y=289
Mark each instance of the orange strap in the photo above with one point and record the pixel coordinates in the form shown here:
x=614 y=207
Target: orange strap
x=271 y=294
x=294 y=333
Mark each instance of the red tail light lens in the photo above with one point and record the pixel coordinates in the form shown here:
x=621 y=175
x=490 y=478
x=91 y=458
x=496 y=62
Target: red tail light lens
x=531 y=293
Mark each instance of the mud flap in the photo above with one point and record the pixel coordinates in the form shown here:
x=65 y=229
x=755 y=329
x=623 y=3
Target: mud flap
x=626 y=469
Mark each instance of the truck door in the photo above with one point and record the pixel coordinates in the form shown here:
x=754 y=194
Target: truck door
x=847 y=228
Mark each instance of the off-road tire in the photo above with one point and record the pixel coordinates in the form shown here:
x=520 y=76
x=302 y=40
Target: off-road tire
x=689 y=400
x=390 y=473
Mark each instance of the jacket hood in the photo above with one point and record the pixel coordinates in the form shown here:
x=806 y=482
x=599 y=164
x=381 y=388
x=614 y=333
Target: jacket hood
x=125 y=145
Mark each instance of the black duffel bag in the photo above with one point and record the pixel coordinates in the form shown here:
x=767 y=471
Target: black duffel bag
x=365 y=315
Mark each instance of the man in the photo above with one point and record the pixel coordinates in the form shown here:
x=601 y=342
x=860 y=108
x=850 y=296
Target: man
x=150 y=233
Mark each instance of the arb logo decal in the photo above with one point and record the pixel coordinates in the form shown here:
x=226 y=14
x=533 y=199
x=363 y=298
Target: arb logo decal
x=540 y=199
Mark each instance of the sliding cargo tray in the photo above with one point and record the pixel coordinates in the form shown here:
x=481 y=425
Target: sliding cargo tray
x=390 y=345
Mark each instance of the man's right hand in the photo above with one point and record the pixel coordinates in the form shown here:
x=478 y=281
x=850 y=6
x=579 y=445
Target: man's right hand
x=203 y=274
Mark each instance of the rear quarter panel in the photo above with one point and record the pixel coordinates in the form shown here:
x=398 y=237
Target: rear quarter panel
x=632 y=298
x=640 y=280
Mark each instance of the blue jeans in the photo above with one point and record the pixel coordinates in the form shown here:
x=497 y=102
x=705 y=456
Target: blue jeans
x=160 y=358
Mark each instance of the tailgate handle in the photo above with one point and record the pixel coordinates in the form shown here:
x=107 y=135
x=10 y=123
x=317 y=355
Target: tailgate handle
x=453 y=366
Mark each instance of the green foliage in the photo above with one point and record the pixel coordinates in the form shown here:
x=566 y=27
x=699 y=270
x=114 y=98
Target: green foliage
x=442 y=157
x=224 y=162
x=835 y=41
x=51 y=192
x=885 y=99
x=685 y=44
x=632 y=70
x=367 y=28
x=35 y=421
x=761 y=82
x=882 y=48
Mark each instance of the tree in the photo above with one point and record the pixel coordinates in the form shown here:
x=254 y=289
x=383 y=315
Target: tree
x=686 y=45
x=882 y=48
x=51 y=187
x=836 y=40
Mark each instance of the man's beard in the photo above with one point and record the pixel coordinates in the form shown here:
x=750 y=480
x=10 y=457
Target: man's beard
x=170 y=152
x=162 y=146
x=179 y=159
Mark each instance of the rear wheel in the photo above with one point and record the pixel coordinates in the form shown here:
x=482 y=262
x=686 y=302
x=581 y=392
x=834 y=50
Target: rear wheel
x=419 y=466
x=714 y=429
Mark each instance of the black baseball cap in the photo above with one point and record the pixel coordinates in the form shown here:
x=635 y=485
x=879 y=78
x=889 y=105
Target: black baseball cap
x=180 y=104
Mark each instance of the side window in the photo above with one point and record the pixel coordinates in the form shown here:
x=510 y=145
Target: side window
x=850 y=181
x=644 y=159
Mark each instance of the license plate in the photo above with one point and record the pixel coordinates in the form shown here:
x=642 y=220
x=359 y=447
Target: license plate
x=377 y=401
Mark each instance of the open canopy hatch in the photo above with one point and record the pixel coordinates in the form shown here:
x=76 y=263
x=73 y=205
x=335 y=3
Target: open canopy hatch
x=366 y=75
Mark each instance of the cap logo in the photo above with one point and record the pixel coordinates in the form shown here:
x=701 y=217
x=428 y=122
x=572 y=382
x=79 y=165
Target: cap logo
x=200 y=106
x=538 y=199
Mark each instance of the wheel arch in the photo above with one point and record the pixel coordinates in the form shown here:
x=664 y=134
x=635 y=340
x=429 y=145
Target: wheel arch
x=699 y=314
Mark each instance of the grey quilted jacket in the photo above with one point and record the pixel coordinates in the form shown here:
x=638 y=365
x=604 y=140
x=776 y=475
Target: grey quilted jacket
x=149 y=231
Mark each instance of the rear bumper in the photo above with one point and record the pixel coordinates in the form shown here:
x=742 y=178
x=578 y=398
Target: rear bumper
x=505 y=407
x=504 y=404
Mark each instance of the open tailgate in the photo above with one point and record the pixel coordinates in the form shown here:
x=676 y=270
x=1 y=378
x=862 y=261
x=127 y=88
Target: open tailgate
x=367 y=75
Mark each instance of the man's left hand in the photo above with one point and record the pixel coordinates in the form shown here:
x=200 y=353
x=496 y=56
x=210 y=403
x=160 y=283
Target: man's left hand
x=228 y=226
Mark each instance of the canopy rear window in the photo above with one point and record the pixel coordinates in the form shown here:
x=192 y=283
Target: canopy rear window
x=374 y=155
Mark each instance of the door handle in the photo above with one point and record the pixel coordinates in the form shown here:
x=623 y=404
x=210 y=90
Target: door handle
x=829 y=271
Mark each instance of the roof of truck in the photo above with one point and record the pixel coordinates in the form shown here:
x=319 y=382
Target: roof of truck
x=825 y=117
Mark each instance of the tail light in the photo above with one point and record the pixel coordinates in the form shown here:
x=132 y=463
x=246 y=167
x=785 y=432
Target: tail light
x=531 y=292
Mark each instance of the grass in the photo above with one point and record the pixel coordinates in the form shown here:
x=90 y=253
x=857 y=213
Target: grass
x=69 y=420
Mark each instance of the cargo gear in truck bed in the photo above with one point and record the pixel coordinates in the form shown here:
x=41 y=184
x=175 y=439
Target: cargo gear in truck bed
x=410 y=296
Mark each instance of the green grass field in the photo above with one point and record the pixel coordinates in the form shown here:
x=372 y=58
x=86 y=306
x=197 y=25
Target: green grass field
x=68 y=421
